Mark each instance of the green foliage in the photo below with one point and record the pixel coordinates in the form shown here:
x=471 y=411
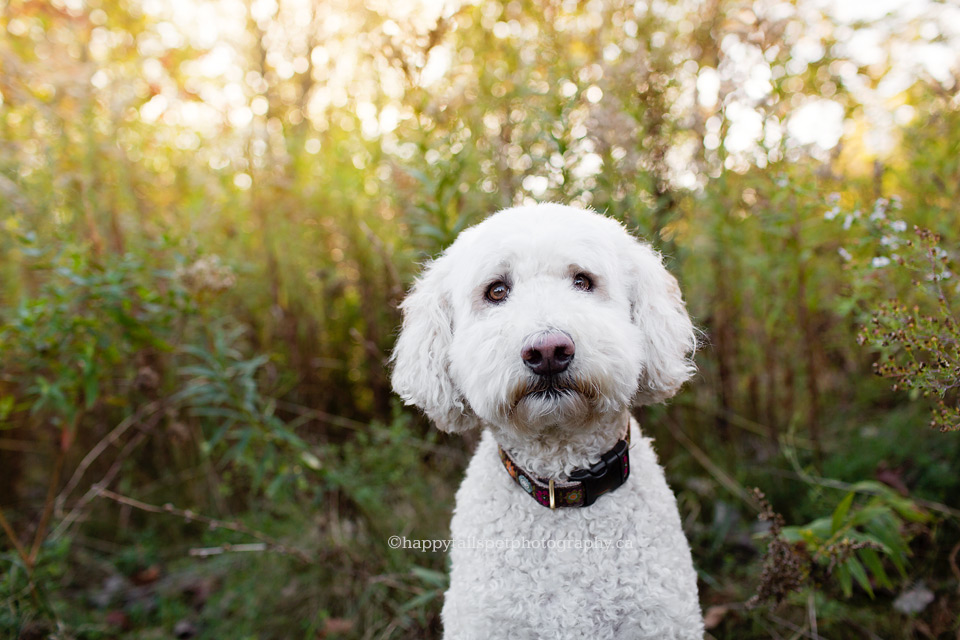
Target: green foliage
x=220 y=388
x=89 y=317
x=852 y=542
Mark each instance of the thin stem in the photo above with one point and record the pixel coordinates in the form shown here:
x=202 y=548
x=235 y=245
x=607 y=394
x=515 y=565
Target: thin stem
x=48 y=506
x=100 y=447
x=24 y=557
x=188 y=515
x=112 y=472
x=21 y=551
x=721 y=476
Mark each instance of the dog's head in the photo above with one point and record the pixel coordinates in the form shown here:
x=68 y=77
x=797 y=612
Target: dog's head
x=540 y=316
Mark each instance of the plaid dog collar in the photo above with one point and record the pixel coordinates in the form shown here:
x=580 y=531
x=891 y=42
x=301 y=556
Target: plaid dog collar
x=584 y=486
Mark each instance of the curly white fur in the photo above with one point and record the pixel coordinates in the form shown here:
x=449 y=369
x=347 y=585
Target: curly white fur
x=458 y=359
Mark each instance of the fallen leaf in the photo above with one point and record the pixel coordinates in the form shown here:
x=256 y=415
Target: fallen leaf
x=714 y=616
x=116 y=618
x=336 y=626
x=147 y=576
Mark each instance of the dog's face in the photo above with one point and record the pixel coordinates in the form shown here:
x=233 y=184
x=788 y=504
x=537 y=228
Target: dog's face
x=542 y=316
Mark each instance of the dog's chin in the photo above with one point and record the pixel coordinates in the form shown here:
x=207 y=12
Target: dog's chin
x=540 y=401
x=549 y=408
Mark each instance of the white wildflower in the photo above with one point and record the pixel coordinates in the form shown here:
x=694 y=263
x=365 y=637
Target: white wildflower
x=833 y=198
x=845 y=254
x=898 y=225
x=879 y=209
x=880 y=262
x=847 y=222
x=896 y=203
x=890 y=241
x=915 y=600
x=832 y=213
x=207 y=273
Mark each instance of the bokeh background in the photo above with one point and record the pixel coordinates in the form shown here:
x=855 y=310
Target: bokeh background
x=209 y=210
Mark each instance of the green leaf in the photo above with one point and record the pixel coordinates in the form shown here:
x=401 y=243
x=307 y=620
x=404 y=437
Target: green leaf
x=215 y=412
x=819 y=529
x=872 y=560
x=218 y=435
x=793 y=534
x=845 y=580
x=859 y=536
x=281 y=432
x=860 y=575
x=248 y=367
x=873 y=487
x=201 y=394
x=868 y=513
x=276 y=484
x=202 y=354
x=91 y=390
x=420 y=600
x=887 y=531
x=264 y=463
x=429 y=576
x=238 y=449
x=6 y=406
x=908 y=509
x=840 y=513
x=197 y=371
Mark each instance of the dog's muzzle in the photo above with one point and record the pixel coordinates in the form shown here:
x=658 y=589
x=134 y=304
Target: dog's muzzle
x=553 y=387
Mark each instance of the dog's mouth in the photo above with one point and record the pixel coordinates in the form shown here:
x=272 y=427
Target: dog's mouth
x=552 y=388
x=534 y=402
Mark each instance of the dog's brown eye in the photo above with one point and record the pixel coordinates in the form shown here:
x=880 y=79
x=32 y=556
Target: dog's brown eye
x=497 y=292
x=583 y=282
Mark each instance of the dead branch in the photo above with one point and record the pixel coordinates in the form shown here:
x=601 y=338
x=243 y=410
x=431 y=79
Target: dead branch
x=213 y=523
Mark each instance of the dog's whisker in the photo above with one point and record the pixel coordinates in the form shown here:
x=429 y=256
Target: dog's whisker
x=553 y=388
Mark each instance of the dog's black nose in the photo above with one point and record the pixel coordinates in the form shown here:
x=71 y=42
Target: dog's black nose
x=548 y=353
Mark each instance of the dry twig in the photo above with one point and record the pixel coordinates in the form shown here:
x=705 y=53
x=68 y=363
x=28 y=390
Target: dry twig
x=719 y=474
x=112 y=472
x=190 y=516
x=205 y=552
x=96 y=451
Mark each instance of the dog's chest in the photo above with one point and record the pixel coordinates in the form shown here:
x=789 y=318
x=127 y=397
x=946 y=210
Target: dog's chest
x=519 y=565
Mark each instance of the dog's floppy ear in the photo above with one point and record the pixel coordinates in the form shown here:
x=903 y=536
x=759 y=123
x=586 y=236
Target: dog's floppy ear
x=421 y=357
x=669 y=338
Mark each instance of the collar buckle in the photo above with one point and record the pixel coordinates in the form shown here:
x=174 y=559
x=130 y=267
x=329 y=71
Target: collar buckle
x=609 y=473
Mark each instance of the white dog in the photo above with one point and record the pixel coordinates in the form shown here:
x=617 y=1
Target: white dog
x=543 y=325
